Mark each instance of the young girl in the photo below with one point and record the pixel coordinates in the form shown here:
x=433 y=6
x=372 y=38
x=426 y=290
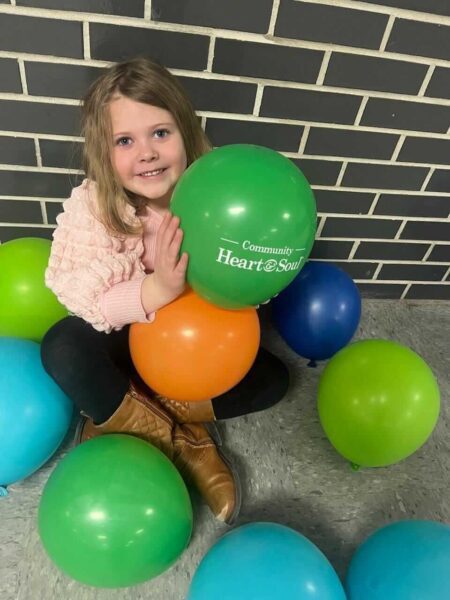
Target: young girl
x=115 y=260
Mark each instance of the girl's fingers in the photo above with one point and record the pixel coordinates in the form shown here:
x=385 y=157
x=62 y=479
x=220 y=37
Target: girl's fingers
x=162 y=229
x=175 y=244
x=182 y=263
x=170 y=232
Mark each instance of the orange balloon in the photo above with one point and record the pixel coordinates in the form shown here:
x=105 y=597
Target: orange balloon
x=195 y=350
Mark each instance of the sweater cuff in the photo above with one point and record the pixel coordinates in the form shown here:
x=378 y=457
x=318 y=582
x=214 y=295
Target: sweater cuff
x=122 y=304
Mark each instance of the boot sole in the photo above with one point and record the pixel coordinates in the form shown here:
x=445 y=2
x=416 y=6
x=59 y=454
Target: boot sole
x=78 y=432
x=215 y=435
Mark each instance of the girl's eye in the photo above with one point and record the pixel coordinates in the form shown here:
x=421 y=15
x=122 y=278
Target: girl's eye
x=164 y=131
x=123 y=141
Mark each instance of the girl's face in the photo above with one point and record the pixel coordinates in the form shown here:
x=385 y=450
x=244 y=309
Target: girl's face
x=146 y=140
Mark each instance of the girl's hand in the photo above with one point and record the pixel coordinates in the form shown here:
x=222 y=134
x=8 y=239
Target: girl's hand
x=168 y=280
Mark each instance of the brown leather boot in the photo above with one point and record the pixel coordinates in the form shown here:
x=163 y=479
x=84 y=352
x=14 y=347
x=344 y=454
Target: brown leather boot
x=188 y=446
x=188 y=412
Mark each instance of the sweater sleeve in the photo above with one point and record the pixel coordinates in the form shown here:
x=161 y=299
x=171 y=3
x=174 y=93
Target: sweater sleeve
x=97 y=277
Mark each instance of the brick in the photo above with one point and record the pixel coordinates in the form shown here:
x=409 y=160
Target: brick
x=319 y=172
x=66 y=155
x=399 y=114
x=440 y=253
x=335 y=201
x=15 y=183
x=283 y=138
x=439 y=7
x=306 y=105
x=406 y=272
x=357 y=270
x=360 y=144
x=360 y=228
x=440 y=181
x=384 y=176
x=53 y=210
x=330 y=24
x=13 y=233
x=426 y=230
x=10 y=76
x=59 y=81
x=41 y=36
x=130 y=8
x=428 y=292
x=20 y=211
x=39 y=117
x=439 y=86
x=420 y=39
x=17 y=151
x=391 y=251
x=251 y=15
x=266 y=61
x=370 y=73
x=172 y=49
x=220 y=96
x=419 y=149
x=381 y=290
x=413 y=206
x=331 y=249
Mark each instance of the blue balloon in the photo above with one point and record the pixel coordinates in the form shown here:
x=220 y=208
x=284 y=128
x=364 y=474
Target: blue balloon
x=264 y=561
x=407 y=560
x=318 y=313
x=35 y=414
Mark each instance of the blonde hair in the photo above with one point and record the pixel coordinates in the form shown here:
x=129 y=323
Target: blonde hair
x=145 y=81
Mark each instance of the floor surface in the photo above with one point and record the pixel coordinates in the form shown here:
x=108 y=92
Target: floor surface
x=291 y=474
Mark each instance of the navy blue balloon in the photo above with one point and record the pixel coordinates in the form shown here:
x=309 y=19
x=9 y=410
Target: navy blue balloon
x=406 y=560
x=318 y=313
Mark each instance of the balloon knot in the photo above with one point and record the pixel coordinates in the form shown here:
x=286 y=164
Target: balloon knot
x=312 y=363
x=3 y=491
x=355 y=467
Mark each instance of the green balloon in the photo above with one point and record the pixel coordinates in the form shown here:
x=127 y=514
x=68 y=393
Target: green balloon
x=115 y=512
x=27 y=307
x=378 y=402
x=249 y=219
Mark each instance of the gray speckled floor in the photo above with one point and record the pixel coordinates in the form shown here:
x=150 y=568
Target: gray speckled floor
x=291 y=475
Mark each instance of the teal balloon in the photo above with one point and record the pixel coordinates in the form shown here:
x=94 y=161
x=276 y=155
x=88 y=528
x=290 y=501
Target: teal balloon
x=249 y=218
x=115 y=512
x=406 y=560
x=35 y=414
x=265 y=561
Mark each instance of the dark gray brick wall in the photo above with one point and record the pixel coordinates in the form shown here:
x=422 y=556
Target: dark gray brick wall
x=358 y=97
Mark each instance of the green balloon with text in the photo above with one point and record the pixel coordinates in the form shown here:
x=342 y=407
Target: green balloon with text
x=249 y=218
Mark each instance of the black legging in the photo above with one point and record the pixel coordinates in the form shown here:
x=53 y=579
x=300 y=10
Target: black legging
x=94 y=370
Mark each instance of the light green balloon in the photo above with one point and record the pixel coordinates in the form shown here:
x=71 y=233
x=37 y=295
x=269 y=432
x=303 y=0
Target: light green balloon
x=115 y=512
x=27 y=307
x=378 y=402
x=249 y=219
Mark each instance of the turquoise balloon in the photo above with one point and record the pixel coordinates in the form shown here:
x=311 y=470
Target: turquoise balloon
x=407 y=560
x=249 y=219
x=35 y=414
x=265 y=561
x=115 y=512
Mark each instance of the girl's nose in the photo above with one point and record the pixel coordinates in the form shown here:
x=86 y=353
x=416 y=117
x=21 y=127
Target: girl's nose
x=148 y=152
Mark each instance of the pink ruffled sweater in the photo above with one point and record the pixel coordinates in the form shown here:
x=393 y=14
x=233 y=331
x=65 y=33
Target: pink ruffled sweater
x=96 y=276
